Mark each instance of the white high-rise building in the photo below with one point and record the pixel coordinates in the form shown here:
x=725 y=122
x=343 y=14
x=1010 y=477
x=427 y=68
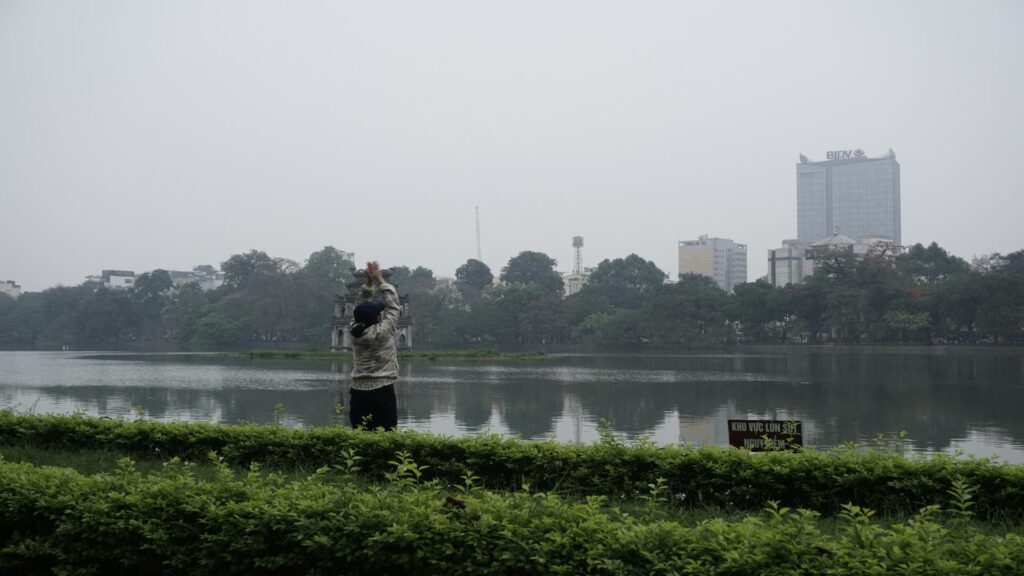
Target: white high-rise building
x=720 y=259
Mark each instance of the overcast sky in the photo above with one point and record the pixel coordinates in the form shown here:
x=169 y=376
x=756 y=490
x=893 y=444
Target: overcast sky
x=140 y=135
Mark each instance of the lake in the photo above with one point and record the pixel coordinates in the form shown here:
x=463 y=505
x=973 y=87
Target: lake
x=956 y=400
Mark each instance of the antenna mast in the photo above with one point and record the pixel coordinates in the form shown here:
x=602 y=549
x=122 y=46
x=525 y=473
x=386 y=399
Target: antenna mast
x=479 y=256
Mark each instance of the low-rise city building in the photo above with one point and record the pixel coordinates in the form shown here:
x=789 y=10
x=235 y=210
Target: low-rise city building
x=114 y=279
x=790 y=263
x=575 y=281
x=796 y=260
x=206 y=276
x=11 y=288
x=840 y=243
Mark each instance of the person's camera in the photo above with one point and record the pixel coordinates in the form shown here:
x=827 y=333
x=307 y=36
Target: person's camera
x=384 y=273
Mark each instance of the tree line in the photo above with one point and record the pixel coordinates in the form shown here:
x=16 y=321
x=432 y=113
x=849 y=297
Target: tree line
x=924 y=295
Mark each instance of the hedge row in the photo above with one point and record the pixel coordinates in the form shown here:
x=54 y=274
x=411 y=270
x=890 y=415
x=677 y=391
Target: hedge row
x=817 y=480
x=56 y=521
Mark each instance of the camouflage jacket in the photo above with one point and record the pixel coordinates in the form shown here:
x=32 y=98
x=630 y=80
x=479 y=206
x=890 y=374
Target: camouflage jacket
x=375 y=351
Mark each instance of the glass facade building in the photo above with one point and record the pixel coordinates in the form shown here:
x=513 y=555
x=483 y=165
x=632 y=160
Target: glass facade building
x=848 y=193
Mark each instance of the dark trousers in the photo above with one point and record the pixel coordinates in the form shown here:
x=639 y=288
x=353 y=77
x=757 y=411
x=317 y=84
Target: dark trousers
x=373 y=409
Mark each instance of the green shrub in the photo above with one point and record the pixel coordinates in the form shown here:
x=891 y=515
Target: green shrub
x=57 y=521
x=821 y=481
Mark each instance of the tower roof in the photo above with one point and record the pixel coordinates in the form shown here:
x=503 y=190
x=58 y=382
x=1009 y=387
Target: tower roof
x=836 y=239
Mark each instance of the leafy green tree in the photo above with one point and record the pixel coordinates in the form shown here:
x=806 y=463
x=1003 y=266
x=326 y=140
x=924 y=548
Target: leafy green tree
x=532 y=268
x=956 y=305
x=286 y=266
x=414 y=282
x=1000 y=312
x=760 y=308
x=929 y=266
x=104 y=316
x=151 y=285
x=7 y=304
x=591 y=327
x=903 y=321
x=217 y=329
x=150 y=294
x=312 y=290
x=625 y=282
x=583 y=305
x=881 y=287
x=542 y=320
x=472 y=277
x=183 y=312
x=1012 y=263
x=62 y=308
x=848 y=296
x=21 y=321
x=807 y=302
x=440 y=315
x=328 y=270
x=493 y=319
x=691 y=311
x=513 y=302
x=242 y=269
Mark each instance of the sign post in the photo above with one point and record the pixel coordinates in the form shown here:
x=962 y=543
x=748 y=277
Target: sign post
x=761 y=435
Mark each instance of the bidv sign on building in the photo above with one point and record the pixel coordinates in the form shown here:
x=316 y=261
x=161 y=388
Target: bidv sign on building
x=845 y=154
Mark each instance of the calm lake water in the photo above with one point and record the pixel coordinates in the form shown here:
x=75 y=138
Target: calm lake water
x=969 y=401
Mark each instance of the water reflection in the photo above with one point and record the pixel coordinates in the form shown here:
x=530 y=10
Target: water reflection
x=962 y=401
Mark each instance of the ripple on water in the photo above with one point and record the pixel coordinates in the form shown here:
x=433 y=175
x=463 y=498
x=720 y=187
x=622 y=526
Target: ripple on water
x=575 y=374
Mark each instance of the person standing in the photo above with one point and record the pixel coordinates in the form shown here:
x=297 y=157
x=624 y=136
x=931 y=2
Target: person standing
x=372 y=402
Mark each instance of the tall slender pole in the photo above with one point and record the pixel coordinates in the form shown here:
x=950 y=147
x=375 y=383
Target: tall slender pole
x=577 y=262
x=479 y=256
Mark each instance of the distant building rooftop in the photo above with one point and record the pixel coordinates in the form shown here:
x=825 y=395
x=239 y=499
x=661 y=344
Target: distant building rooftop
x=841 y=156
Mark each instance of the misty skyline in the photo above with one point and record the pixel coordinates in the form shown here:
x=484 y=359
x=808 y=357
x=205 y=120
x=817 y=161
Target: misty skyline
x=149 y=135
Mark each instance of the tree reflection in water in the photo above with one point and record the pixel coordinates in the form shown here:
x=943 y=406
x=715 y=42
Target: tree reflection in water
x=938 y=399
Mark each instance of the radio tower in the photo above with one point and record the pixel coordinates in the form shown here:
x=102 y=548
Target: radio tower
x=577 y=262
x=479 y=256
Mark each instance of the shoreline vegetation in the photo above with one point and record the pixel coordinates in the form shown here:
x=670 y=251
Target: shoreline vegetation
x=921 y=296
x=95 y=496
x=483 y=354
x=878 y=476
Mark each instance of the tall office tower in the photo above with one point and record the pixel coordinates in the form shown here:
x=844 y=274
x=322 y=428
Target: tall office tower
x=718 y=258
x=850 y=194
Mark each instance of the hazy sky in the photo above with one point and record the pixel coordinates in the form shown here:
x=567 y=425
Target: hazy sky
x=141 y=135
